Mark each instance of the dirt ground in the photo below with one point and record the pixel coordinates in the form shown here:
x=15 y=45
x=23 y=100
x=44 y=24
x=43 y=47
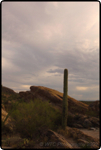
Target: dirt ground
x=93 y=133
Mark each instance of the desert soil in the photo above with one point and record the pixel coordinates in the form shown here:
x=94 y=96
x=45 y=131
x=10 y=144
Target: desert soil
x=93 y=133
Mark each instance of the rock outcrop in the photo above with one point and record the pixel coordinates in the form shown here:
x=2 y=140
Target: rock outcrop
x=54 y=97
x=82 y=121
x=54 y=140
x=7 y=90
x=8 y=126
x=77 y=118
x=76 y=111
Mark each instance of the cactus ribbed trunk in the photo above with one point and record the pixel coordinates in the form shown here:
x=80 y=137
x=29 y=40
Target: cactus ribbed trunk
x=65 y=100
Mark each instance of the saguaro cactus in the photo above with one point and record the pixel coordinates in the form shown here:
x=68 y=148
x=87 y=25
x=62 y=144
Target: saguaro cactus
x=65 y=100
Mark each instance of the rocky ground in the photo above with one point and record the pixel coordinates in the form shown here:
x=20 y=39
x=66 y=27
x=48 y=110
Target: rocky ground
x=94 y=132
x=82 y=129
x=73 y=138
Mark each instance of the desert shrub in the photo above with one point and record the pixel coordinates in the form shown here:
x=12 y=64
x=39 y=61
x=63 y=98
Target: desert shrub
x=9 y=100
x=91 y=113
x=33 y=117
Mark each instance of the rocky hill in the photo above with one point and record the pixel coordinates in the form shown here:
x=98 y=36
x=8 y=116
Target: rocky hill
x=54 y=97
x=80 y=116
x=6 y=90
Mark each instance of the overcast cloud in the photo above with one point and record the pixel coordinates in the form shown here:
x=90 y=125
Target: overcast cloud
x=41 y=39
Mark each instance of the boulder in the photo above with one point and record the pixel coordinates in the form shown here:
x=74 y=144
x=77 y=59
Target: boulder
x=54 y=140
x=78 y=126
x=92 y=128
x=76 y=109
x=8 y=126
x=87 y=123
x=47 y=94
x=95 y=121
x=54 y=97
x=82 y=118
x=82 y=143
x=82 y=121
x=27 y=96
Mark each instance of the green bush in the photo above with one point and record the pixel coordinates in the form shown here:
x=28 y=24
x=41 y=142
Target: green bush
x=9 y=100
x=33 y=117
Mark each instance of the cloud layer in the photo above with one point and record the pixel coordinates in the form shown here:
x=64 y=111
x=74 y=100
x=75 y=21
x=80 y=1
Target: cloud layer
x=40 y=39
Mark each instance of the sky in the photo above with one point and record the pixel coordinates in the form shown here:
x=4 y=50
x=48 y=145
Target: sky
x=41 y=39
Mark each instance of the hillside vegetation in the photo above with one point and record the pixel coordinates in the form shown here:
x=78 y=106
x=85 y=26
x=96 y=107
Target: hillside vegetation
x=39 y=112
x=55 y=97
